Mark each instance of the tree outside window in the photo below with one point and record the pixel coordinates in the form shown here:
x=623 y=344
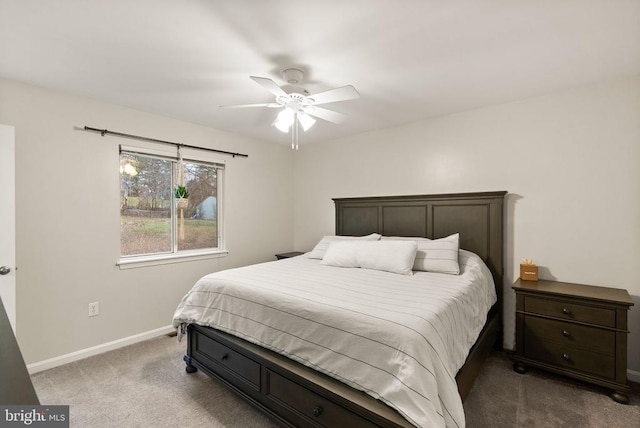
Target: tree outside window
x=149 y=217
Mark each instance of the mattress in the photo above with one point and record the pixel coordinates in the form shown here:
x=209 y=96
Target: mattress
x=399 y=338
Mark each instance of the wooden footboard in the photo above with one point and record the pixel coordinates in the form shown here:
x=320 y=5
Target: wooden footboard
x=293 y=394
x=299 y=396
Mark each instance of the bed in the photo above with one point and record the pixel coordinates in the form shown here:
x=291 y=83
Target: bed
x=307 y=388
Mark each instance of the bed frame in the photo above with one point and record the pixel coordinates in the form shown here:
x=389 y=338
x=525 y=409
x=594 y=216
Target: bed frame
x=296 y=395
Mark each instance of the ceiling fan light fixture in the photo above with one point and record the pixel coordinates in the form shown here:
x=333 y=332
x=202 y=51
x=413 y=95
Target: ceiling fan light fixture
x=306 y=121
x=284 y=120
x=299 y=107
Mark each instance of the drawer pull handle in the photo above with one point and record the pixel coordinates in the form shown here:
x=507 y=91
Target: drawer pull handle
x=317 y=411
x=566 y=356
x=566 y=311
x=224 y=357
x=566 y=333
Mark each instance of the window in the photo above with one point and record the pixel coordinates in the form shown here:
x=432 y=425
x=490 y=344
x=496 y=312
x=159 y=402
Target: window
x=153 y=225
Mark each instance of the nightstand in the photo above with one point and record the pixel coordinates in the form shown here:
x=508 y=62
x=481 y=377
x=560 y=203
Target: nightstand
x=574 y=330
x=288 y=255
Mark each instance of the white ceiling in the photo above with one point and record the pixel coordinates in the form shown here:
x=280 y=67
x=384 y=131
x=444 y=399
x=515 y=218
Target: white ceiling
x=409 y=59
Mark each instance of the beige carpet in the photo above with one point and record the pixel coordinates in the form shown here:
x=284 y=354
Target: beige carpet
x=145 y=385
x=502 y=398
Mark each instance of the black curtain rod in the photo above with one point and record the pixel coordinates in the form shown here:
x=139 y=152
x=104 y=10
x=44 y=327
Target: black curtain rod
x=103 y=132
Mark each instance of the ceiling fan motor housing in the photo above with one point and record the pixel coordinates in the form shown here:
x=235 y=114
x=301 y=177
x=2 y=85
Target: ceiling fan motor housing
x=292 y=90
x=293 y=76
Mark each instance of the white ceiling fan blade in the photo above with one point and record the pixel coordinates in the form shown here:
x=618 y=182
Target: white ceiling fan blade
x=323 y=113
x=339 y=94
x=270 y=105
x=269 y=85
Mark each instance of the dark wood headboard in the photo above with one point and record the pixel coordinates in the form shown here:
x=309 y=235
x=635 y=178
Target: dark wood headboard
x=478 y=217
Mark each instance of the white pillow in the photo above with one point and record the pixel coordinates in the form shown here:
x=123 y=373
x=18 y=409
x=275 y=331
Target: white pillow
x=388 y=256
x=438 y=255
x=434 y=255
x=320 y=248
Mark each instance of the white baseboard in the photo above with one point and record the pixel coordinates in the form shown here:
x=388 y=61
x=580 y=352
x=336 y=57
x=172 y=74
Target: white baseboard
x=633 y=376
x=95 y=350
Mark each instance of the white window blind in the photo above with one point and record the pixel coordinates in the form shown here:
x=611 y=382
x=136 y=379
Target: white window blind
x=168 y=152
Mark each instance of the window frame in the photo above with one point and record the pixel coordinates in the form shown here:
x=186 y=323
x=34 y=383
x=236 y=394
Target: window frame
x=179 y=256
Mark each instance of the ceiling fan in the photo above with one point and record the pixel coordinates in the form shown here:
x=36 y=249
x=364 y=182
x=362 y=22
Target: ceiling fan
x=298 y=105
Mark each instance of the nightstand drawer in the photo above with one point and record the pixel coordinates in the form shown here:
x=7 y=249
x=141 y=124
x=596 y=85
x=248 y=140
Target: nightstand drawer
x=569 y=357
x=570 y=311
x=570 y=334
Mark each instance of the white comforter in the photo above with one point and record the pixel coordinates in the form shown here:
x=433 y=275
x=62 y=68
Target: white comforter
x=400 y=338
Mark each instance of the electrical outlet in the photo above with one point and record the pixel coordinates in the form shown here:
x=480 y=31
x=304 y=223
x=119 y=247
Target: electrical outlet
x=94 y=309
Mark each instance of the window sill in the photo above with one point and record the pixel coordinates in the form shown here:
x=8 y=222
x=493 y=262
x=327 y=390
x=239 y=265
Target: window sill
x=164 y=259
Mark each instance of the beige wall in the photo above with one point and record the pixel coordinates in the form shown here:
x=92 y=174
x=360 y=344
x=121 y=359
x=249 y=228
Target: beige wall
x=68 y=220
x=570 y=161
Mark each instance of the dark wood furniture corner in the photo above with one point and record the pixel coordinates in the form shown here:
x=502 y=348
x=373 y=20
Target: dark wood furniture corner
x=288 y=255
x=15 y=384
x=574 y=330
